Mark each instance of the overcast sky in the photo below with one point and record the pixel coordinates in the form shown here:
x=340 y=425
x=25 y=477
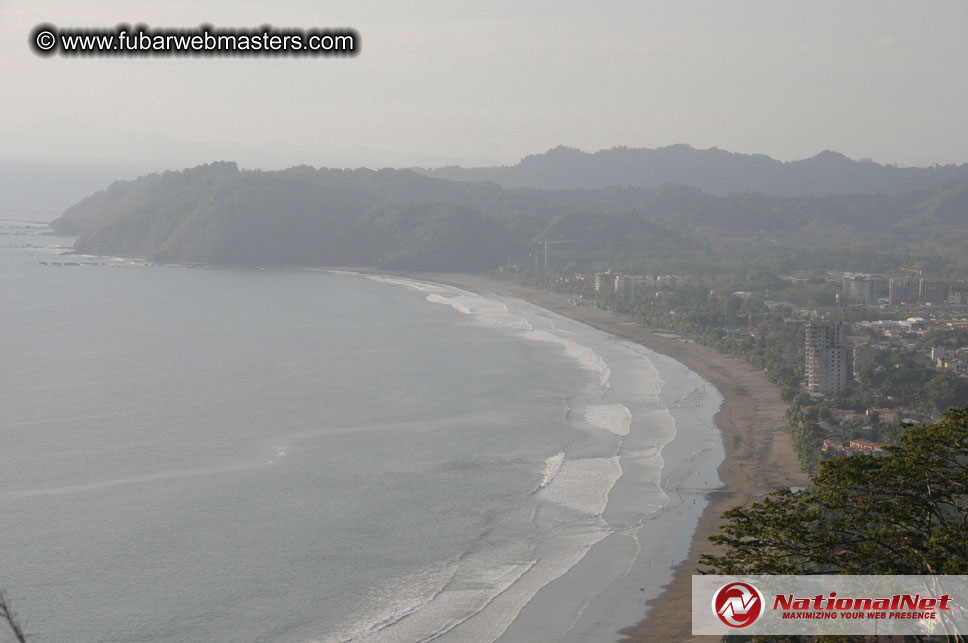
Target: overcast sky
x=441 y=82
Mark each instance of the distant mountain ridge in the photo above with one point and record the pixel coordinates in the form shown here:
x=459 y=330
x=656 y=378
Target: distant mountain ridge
x=398 y=219
x=714 y=171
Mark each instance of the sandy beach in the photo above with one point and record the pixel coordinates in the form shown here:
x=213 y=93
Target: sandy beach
x=759 y=457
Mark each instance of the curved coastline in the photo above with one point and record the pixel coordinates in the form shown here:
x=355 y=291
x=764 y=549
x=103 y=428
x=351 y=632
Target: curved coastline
x=608 y=545
x=640 y=492
x=757 y=460
x=758 y=456
x=618 y=482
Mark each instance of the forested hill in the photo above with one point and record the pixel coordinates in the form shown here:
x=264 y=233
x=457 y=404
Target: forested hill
x=714 y=171
x=398 y=219
x=301 y=216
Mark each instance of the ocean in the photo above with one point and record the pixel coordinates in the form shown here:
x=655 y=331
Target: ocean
x=301 y=456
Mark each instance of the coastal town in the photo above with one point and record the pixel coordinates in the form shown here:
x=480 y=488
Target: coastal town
x=860 y=358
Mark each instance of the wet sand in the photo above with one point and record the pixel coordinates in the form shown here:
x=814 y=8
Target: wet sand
x=759 y=457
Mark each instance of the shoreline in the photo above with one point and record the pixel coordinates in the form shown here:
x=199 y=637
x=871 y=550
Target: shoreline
x=758 y=457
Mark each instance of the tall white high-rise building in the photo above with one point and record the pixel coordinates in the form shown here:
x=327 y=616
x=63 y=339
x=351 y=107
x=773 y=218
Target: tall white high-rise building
x=826 y=357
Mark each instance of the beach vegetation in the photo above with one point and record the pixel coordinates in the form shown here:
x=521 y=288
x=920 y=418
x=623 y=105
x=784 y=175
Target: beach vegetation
x=905 y=513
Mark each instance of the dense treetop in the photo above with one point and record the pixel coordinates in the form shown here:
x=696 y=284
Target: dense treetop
x=906 y=513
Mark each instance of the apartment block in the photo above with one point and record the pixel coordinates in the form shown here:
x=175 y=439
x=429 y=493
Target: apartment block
x=902 y=291
x=858 y=289
x=826 y=357
x=931 y=291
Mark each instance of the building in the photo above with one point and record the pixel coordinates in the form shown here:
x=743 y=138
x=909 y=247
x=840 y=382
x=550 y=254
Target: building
x=863 y=358
x=669 y=282
x=957 y=297
x=858 y=290
x=854 y=447
x=832 y=445
x=633 y=285
x=866 y=447
x=901 y=291
x=846 y=415
x=826 y=357
x=885 y=414
x=605 y=281
x=931 y=291
x=956 y=366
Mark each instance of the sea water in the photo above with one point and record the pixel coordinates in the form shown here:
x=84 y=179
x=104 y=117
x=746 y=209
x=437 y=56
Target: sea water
x=194 y=454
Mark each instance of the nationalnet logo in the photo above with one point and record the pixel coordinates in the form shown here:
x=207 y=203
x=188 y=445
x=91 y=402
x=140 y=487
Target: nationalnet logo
x=738 y=604
x=812 y=605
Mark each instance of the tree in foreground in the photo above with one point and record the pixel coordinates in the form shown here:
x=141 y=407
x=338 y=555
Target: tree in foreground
x=905 y=513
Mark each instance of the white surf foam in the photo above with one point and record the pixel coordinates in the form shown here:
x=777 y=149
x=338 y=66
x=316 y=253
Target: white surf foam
x=584 y=355
x=389 y=603
x=646 y=461
x=583 y=484
x=487 y=312
x=615 y=418
x=449 y=301
x=551 y=469
x=420 y=286
x=428 y=603
x=474 y=598
x=570 y=484
x=494 y=313
x=571 y=542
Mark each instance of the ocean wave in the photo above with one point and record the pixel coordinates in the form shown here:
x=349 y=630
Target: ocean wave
x=397 y=599
x=474 y=598
x=569 y=485
x=427 y=604
x=487 y=312
x=584 y=355
x=648 y=464
x=583 y=484
x=411 y=284
x=449 y=301
x=615 y=418
x=551 y=469
x=493 y=313
x=118 y=482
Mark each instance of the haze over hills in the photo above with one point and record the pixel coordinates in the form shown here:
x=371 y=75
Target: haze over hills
x=400 y=219
x=714 y=171
x=40 y=191
x=219 y=214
